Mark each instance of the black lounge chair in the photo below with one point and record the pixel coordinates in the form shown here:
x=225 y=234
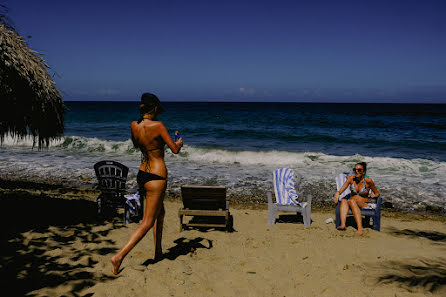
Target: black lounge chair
x=112 y=177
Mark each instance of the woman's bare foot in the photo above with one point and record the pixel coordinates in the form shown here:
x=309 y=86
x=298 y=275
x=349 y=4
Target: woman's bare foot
x=341 y=228
x=116 y=264
x=360 y=232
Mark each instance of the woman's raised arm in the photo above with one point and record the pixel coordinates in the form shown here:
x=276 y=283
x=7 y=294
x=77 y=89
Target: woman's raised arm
x=175 y=147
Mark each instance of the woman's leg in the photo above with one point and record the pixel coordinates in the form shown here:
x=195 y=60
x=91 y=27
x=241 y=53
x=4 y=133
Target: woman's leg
x=343 y=212
x=154 y=201
x=158 y=233
x=356 y=203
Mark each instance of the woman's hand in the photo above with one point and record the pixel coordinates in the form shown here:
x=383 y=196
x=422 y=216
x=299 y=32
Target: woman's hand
x=336 y=198
x=179 y=142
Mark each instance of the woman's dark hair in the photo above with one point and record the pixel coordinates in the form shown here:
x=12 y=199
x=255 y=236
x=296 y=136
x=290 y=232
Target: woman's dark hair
x=148 y=103
x=364 y=165
x=143 y=109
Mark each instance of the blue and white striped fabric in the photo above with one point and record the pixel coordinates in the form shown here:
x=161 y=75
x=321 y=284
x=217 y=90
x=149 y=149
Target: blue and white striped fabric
x=134 y=203
x=284 y=181
x=340 y=180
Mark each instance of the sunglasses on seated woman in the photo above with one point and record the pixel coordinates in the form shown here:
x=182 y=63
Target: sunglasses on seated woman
x=358 y=170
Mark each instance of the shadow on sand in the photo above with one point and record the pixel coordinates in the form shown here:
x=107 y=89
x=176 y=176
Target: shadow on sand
x=434 y=236
x=183 y=247
x=429 y=274
x=29 y=263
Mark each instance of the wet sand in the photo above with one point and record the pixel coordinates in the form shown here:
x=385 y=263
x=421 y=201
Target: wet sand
x=54 y=244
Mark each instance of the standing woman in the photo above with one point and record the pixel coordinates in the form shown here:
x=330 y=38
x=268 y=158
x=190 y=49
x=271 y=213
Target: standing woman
x=360 y=186
x=150 y=136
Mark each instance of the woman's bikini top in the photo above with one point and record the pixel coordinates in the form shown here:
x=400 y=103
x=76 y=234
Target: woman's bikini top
x=363 y=192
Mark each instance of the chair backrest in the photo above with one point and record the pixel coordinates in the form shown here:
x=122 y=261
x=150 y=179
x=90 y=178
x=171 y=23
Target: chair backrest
x=111 y=175
x=285 y=192
x=340 y=180
x=204 y=197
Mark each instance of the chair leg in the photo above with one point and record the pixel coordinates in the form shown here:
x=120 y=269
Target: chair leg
x=376 y=223
x=307 y=216
x=181 y=222
x=338 y=215
x=230 y=223
x=272 y=216
x=126 y=214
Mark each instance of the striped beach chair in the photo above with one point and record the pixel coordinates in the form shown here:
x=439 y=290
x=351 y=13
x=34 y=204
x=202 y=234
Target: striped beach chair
x=287 y=199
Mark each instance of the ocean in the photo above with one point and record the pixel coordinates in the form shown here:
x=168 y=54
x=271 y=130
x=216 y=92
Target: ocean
x=238 y=145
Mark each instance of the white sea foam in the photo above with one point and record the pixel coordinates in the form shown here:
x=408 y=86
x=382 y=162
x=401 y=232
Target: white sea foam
x=209 y=155
x=27 y=141
x=410 y=184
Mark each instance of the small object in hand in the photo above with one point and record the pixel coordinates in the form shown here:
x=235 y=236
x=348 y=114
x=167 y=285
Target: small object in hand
x=177 y=135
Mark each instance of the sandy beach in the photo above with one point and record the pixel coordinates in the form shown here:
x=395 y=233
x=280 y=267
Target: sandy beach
x=53 y=244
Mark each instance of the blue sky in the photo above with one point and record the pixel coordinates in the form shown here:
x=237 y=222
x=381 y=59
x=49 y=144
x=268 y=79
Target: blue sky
x=302 y=51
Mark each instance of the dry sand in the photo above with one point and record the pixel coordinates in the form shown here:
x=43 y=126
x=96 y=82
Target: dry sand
x=58 y=247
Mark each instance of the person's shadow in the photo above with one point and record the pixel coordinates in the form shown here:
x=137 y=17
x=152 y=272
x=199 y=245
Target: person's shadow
x=183 y=247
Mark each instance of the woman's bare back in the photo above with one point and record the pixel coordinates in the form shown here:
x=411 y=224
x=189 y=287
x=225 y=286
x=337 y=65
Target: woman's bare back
x=146 y=135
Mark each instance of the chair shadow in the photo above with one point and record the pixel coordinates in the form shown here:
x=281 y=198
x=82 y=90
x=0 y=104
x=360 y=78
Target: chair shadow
x=290 y=218
x=429 y=274
x=210 y=220
x=434 y=236
x=26 y=264
x=183 y=247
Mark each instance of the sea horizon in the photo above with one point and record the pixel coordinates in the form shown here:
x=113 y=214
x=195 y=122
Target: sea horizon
x=260 y=101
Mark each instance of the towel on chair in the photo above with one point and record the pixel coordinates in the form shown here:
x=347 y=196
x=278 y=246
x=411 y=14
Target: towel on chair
x=284 y=187
x=340 y=180
x=134 y=203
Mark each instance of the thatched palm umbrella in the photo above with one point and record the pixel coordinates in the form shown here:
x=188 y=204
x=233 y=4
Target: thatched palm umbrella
x=30 y=102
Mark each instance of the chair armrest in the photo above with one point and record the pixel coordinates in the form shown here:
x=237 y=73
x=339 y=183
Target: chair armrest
x=379 y=201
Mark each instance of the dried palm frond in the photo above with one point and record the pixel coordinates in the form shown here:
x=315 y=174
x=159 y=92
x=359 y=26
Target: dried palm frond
x=30 y=101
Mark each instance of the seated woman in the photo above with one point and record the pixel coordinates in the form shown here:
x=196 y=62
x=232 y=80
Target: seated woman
x=360 y=186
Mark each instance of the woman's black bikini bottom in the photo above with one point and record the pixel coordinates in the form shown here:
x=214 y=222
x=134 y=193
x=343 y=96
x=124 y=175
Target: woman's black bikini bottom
x=143 y=177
